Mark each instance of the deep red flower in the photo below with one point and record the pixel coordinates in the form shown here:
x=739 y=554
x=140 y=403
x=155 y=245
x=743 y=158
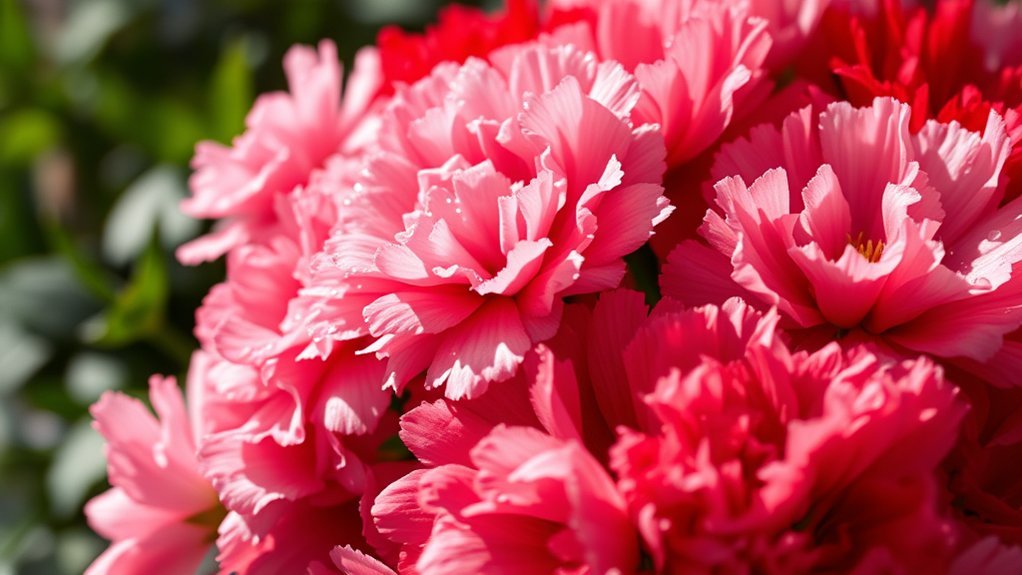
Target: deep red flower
x=932 y=60
x=460 y=32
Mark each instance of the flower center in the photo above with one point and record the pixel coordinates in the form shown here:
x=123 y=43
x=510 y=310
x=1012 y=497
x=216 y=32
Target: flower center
x=867 y=248
x=209 y=519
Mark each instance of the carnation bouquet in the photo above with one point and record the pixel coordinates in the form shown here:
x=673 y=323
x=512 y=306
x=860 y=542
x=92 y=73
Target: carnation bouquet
x=619 y=286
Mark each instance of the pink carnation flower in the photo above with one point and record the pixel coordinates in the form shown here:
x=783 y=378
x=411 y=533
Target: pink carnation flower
x=291 y=441
x=712 y=69
x=753 y=459
x=259 y=371
x=247 y=322
x=161 y=514
x=851 y=223
x=287 y=454
x=696 y=63
x=526 y=502
x=513 y=479
x=458 y=234
x=496 y=192
x=289 y=136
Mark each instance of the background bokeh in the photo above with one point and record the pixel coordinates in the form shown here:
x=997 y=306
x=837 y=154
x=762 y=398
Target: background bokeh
x=101 y=104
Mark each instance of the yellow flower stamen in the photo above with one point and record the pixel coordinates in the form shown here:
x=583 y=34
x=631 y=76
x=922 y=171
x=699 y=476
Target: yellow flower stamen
x=867 y=248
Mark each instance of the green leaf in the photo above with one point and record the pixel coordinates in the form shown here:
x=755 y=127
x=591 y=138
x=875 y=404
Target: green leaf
x=29 y=541
x=19 y=229
x=6 y=435
x=76 y=548
x=25 y=134
x=138 y=311
x=231 y=90
x=16 y=49
x=21 y=355
x=163 y=126
x=88 y=27
x=150 y=202
x=44 y=296
x=117 y=109
x=389 y=11
x=89 y=374
x=77 y=465
x=171 y=130
x=94 y=277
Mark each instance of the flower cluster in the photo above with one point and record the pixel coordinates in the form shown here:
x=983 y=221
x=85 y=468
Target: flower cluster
x=619 y=286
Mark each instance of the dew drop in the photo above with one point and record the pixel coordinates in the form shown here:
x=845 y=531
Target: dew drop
x=994 y=235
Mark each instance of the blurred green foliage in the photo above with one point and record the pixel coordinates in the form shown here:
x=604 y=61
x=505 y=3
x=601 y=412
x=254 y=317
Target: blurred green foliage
x=101 y=104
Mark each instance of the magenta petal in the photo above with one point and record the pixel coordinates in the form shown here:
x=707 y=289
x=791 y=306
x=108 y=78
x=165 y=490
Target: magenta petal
x=965 y=168
x=555 y=395
x=616 y=319
x=488 y=346
x=986 y=318
x=353 y=562
x=421 y=311
x=696 y=275
x=352 y=395
x=398 y=514
x=826 y=219
x=523 y=262
x=846 y=289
